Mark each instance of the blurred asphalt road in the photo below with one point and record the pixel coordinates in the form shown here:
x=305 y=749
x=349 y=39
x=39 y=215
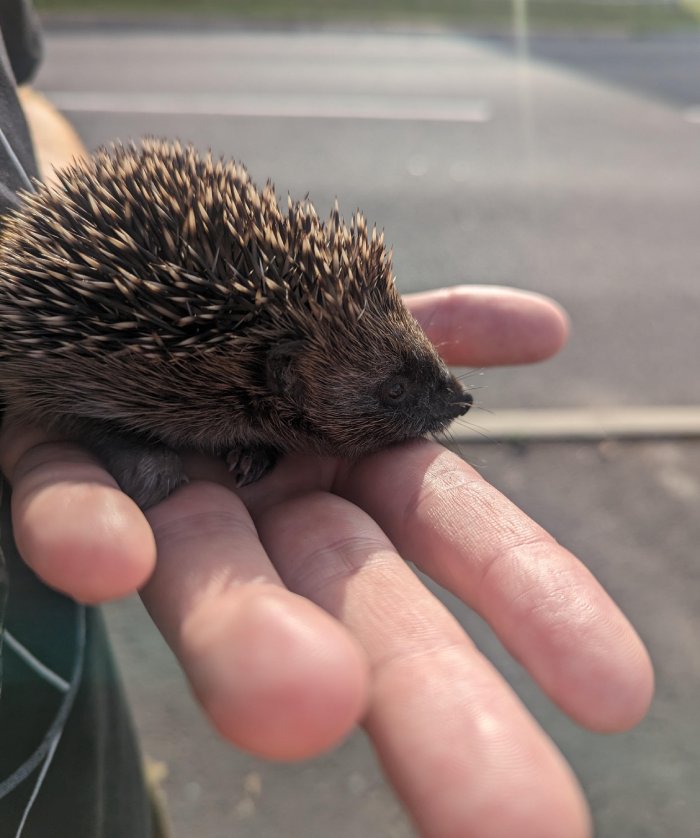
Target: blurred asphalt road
x=522 y=175
x=578 y=176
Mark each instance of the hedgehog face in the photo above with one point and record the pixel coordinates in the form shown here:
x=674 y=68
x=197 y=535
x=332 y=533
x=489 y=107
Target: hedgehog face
x=421 y=397
x=350 y=403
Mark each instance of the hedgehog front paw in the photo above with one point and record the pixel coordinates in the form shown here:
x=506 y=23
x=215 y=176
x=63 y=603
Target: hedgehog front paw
x=147 y=473
x=150 y=476
x=250 y=464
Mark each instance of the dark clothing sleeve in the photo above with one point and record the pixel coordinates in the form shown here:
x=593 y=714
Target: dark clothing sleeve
x=20 y=51
x=89 y=782
x=20 y=32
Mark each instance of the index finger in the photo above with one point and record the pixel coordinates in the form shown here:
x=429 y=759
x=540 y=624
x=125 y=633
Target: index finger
x=72 y=524
x=481 y=326
x=546 y=607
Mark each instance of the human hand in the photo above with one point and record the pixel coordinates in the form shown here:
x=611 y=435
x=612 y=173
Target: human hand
x=294 y=615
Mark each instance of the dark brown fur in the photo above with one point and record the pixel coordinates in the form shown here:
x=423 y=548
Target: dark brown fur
x=156 y=300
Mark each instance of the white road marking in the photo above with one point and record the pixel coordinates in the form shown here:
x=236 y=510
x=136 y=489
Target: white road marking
x=424 y=109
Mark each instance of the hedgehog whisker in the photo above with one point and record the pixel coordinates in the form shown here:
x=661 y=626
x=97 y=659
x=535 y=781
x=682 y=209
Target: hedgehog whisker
x=479 y=430
x=451 y=438
x=483 y=409
x=470 y=372
x=439 y=344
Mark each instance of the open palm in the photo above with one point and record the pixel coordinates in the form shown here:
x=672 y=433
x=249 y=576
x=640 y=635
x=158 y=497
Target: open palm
x=294 y=615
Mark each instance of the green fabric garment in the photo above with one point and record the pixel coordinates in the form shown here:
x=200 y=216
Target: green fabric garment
x=94 y=787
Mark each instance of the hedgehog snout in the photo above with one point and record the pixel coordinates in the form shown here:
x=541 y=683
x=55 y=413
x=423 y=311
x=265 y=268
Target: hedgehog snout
x=458 y=407
x=463 y=403
x=455 y=400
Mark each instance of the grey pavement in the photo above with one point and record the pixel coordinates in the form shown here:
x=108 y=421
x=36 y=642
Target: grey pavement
x=562 y=174
x=664 y=67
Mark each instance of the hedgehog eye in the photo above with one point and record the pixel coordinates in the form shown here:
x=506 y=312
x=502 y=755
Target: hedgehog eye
x=395 y=390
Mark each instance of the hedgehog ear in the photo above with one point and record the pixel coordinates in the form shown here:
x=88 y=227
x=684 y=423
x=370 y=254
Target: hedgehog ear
x=282 y=375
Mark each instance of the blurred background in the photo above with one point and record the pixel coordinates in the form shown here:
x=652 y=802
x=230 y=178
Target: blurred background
x=552 y=145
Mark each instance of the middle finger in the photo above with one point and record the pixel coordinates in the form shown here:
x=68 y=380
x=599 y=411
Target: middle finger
x=459 y=747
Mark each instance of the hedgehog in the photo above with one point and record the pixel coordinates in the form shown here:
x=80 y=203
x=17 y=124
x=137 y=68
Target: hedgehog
x=154 y=300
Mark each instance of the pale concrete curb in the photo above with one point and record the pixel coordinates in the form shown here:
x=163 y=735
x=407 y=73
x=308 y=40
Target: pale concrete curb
x=594 y=423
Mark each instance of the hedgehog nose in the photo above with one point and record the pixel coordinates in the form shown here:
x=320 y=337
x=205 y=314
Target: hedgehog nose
x=464 y=402
x=459 y=404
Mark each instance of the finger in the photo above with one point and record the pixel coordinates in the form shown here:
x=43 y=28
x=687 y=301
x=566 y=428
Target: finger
x=481 y=326
x=275 y=674
x=72 y=525
x=462 y=752
x=545 y=606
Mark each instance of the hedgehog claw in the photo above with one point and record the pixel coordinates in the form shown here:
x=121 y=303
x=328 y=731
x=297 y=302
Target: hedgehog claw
x=250 y=464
